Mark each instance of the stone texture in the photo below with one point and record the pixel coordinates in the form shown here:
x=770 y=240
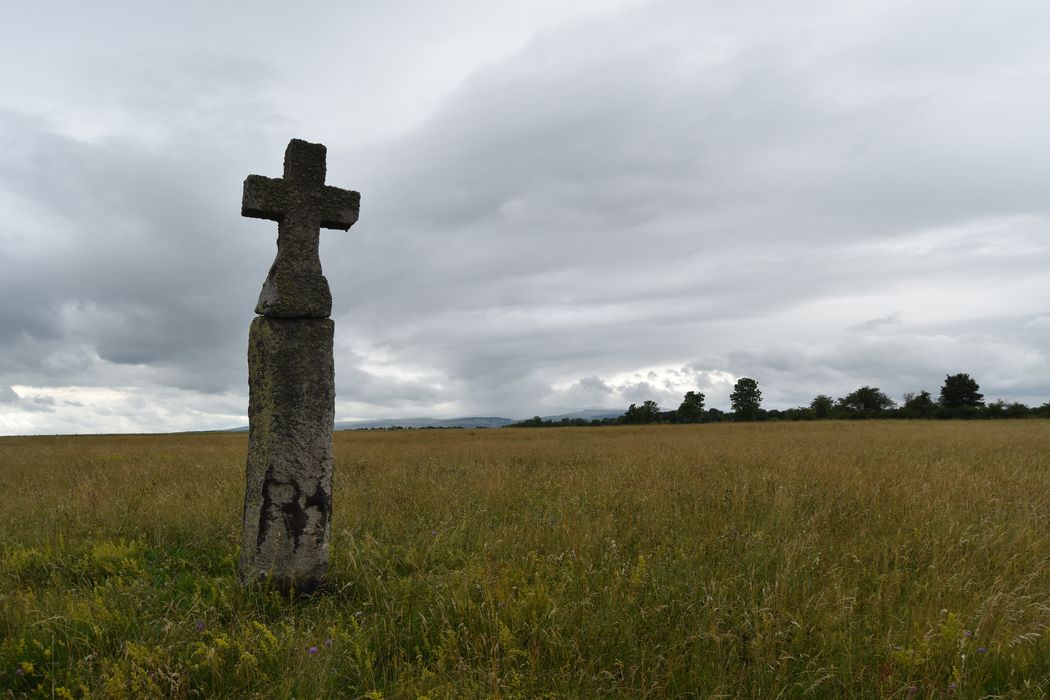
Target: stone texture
x=291 y=377
x=291 y=409
x=290 y=294
x=301 y=204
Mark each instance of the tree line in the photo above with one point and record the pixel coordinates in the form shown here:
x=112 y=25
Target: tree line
x=960 y=397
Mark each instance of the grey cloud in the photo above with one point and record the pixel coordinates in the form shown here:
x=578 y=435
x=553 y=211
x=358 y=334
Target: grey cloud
x=642 y=391
x=146 y=269
x=527 y=188
x=8 y=394
x=758 y=186
x=898 y=361
x=873 y=323
x=590 y=391
x=364 y=388
x=666 y=386
x=37 y=404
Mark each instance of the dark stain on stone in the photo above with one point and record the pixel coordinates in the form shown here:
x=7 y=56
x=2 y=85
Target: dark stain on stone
x=293 y=513
x=322 y=500
x=266 y=514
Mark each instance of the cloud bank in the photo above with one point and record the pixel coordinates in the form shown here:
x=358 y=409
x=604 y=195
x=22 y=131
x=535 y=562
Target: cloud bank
x=612 y=204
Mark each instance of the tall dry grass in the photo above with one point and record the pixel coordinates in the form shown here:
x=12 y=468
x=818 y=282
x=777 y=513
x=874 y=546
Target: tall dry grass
x=883 y=559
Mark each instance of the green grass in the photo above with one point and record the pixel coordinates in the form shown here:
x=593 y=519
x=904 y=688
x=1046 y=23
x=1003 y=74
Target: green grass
x=843 y=559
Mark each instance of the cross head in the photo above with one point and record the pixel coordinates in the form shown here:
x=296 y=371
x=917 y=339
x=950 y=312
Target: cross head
x=302 y=205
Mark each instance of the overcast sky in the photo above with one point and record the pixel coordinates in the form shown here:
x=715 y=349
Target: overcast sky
x=565 y=205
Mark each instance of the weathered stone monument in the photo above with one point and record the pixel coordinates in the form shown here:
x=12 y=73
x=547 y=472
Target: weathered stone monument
x=291 y=377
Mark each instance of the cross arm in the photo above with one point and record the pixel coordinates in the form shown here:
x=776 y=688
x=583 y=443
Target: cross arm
x=339 y=208
x=265 y=198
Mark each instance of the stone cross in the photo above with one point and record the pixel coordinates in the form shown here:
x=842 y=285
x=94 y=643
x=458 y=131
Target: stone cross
x=301 y=204
x=291 y=378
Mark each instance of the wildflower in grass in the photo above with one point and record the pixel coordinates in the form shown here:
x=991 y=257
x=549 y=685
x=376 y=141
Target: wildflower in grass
x=199 y=625
x=981 y=650
x=968 y=634
x=311 y=650
x=19 y=672
x=952 y=686
x=328 y=643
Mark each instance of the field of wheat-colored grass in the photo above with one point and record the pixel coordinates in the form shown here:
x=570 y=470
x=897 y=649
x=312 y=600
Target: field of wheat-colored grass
x=836 y=559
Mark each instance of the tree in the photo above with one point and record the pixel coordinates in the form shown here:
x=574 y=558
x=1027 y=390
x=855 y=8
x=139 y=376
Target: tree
x=746 y=399
x=692 y=408
x=919 y=405
x=1001 y=409
x=799 y=413
x=1017 y=410
x=648 y=412
x=713 y=415
x=822 y=405
x=867 y=399
x=960 y=390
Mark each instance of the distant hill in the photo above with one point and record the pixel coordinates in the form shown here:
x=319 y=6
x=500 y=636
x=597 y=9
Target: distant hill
x=586 y=414
x=465 y=422
x=468 y=422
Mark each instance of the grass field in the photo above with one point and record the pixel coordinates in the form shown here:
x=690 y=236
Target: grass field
x=845 y=559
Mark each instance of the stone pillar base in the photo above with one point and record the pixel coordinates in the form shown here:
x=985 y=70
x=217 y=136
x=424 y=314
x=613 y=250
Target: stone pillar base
x=291 y=409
